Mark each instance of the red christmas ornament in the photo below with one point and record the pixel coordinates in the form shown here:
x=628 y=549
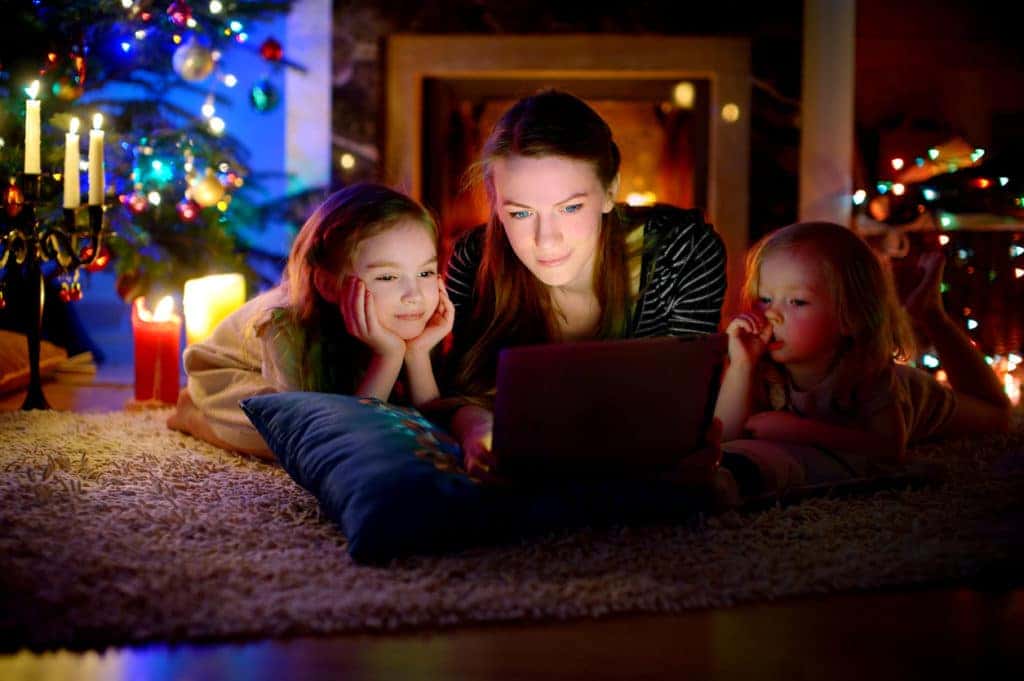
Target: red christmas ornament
x=13 y=199
x=179 y=12
x=137 y=202
x=188 y=210
x=271 y=50
x=101 y=260
x=71 y=291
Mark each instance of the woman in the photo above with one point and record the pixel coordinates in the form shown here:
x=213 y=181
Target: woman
x=560 y=261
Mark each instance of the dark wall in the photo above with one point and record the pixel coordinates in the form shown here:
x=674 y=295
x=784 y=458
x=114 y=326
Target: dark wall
x=942 y=66
x=928 y=70
x=361 y=28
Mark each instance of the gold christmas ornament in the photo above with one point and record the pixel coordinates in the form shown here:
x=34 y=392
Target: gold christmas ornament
x=192 y=61
x=207 y=191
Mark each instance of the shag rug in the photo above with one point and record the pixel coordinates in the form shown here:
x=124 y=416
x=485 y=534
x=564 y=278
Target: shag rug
x=115 y=530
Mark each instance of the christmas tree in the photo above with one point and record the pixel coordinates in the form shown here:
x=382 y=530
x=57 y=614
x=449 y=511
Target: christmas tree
x=178 y=187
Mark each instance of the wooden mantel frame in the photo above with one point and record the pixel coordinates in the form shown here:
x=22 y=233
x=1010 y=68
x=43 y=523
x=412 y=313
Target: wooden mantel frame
x=723 y=62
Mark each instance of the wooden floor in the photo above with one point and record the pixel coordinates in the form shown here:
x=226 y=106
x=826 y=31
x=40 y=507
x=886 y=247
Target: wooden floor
x=957 y=631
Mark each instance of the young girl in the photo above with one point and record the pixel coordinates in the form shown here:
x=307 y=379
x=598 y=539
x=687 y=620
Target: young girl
x=359 y=299
x=812 y=362
x=560 y=261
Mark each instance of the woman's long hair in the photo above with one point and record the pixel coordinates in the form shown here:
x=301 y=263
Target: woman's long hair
x=512 y=306
x=876 y=329
x=330 y=360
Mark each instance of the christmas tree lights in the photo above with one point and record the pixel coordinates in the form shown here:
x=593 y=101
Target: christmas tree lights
x=174 y=178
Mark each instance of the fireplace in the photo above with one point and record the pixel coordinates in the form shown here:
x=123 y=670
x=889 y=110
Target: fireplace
x=679 y=109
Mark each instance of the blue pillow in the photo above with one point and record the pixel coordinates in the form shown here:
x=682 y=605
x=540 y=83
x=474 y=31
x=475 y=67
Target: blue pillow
x=395 y=485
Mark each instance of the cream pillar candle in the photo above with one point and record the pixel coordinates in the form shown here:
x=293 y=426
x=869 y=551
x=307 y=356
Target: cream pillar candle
x=208 y=300
x=72 y=190
x=96 y=161
x=32 y=130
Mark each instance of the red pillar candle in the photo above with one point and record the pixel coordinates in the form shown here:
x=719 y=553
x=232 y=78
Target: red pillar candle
x=157 y=337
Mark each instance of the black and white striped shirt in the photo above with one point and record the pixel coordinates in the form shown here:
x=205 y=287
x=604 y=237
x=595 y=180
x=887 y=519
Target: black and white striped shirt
x=682 y=277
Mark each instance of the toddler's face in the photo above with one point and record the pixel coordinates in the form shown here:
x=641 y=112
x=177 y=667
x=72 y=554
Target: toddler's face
x=399 y=267
x=795 y=298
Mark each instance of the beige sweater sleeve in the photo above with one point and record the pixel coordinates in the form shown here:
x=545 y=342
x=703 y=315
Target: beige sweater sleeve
x=245 y=356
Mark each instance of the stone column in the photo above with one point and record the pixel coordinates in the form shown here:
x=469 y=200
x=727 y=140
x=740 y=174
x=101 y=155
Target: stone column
x=827 y=125
x=307 y=95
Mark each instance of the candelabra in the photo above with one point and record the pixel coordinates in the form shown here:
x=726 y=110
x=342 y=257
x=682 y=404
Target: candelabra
x=26 y=243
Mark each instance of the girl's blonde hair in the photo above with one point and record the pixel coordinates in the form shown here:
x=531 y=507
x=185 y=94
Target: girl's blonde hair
x=875 y=327
x=513 y=307
x=330 y=359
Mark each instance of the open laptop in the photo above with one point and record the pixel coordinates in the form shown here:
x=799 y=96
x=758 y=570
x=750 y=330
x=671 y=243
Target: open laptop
x=604 y=407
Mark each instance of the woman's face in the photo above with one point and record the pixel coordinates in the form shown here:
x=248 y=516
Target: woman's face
x=551 y=208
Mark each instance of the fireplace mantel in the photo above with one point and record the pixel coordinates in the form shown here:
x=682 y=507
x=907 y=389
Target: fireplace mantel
x=723 y=62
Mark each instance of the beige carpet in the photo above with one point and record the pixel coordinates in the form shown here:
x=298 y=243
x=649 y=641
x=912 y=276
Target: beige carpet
x=114 y=530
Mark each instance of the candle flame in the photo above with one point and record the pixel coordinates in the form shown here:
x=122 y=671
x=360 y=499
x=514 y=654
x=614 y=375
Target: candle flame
x=97 y=121
x=164 y=311
x=32 y=90
x=73 y=129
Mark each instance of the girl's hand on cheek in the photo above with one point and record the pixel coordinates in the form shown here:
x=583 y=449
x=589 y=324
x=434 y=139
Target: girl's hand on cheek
x=438 y=326
x=748 y=338
x=360 y=314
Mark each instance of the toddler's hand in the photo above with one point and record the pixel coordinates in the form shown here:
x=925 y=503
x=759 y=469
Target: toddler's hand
x=361 y=321
x=779 y=426
x=438 y=326
x=748 y=338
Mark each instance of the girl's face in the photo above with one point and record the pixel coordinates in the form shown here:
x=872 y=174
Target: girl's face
x=551 y=208
x=795 y=298
x=399 y=267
